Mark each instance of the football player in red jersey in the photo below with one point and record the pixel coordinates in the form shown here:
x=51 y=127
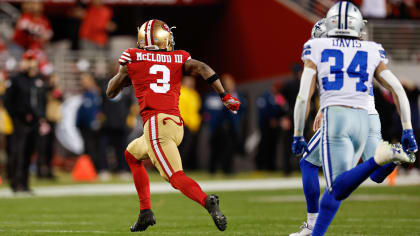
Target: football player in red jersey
x=155 y=70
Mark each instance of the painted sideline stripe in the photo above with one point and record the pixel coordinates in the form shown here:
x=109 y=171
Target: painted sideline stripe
x=163 y=187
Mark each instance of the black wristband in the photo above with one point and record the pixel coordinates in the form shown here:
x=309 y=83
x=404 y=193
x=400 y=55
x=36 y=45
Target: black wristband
x=222 y=95
x=212 y=78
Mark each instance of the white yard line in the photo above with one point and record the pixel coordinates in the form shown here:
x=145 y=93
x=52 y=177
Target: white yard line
x=209 y=186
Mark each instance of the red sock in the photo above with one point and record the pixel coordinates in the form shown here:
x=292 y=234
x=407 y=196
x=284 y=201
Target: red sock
x=188 y=187
x=141 y=180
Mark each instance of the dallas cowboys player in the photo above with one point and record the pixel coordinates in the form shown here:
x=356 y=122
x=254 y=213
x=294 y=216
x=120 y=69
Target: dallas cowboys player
x=311 y=160
x=345 y=67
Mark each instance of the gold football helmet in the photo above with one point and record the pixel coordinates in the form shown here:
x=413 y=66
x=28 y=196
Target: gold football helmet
x=155 y=35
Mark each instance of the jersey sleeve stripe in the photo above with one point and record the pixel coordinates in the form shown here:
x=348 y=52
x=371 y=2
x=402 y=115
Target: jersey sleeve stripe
x=124 y=57
x=126 y=53
x=122 y=61
x=189 y=58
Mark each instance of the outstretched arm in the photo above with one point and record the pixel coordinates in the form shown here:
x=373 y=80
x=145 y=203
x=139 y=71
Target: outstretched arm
x=197 y=68
x=118 y=82
x=387 y=79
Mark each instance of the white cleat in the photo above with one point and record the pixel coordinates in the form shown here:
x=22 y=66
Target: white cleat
x=305 y=230
x=386 y=153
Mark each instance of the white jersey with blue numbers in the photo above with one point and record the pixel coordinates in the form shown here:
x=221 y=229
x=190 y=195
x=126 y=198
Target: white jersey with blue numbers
x=345 y=70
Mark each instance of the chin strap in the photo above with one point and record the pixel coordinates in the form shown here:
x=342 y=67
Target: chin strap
x=151 y=47
x=172 y=38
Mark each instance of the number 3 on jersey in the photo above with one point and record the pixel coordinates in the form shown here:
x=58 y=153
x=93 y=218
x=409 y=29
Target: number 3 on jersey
x=359 y=60
x=162 y=85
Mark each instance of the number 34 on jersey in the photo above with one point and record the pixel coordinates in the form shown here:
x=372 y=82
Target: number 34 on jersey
x=345 y=69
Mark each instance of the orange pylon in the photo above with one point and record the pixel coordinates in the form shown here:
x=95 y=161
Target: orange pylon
x=84 y=169
x=392 y=177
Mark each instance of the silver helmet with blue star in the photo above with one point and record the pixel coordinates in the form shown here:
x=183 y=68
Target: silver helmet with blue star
x=344 y=19
x=320 y=29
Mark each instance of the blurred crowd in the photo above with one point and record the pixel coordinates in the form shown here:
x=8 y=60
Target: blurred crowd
x=36 y=111
x=392 y=9
x=31 y=96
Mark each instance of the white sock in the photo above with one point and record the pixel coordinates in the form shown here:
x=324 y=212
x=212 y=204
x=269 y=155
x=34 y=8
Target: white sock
x=312 y=218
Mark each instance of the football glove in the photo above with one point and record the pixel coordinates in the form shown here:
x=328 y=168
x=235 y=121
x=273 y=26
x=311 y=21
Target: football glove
x=299 y=145
x=231 y=103
x=408 y=141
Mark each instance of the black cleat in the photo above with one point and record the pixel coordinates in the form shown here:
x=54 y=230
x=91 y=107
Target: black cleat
x=146 y=219
x=212 y=206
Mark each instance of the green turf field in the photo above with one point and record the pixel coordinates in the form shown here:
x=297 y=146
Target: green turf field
x=371 y=211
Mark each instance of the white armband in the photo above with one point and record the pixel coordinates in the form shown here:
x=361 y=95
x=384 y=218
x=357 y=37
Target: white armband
x=396 y=86
x=302 y=100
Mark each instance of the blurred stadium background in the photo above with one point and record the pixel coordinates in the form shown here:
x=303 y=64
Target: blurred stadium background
x=255 y=46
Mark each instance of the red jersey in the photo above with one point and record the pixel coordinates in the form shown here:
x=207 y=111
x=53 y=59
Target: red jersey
x=156 y=78
x=31 y=31
x=94 y=25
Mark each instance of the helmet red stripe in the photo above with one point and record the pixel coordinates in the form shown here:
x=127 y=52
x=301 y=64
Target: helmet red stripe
x=148 y=32
x=145 y=33
x=151 y=32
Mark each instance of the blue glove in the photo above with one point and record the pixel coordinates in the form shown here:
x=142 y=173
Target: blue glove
x=299 y=145
x=408 y=141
